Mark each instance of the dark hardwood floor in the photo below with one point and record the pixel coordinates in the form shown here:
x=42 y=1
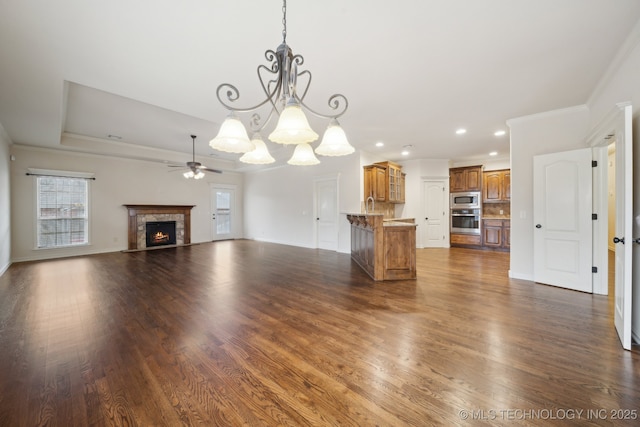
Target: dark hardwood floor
x=249 y=333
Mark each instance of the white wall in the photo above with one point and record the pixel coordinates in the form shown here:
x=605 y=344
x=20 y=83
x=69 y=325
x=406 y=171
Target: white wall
x=118 y=182
x=279 y=205
x=554 y=131
x=5 y=202
x=417 y=172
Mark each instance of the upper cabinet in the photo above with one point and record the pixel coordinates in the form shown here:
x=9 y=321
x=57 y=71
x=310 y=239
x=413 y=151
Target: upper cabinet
x=465 y=179
x=496 y=186
x=384 y=181
x=375 y=182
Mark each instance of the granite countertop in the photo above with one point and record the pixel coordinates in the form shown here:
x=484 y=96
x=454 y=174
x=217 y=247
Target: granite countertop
x=391 y=223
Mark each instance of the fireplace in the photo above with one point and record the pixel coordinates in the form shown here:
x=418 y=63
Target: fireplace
x=140 y=215
x=160 y=233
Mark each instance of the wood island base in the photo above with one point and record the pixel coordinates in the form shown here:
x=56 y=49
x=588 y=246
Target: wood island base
x=385 y=250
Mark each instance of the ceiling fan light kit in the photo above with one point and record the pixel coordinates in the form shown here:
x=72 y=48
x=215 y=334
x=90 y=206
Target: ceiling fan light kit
x=279 y=82
x=196 y=169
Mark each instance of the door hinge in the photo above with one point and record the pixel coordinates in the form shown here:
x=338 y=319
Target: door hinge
x=594 y=217
x=594 y=163
x=594 y=269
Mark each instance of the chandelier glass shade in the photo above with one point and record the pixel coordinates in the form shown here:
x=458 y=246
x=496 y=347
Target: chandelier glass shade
x=334 y=142
x=303 y=156
x=232 y=137
x=259 y=155
x=284 y=101
x=293 y=126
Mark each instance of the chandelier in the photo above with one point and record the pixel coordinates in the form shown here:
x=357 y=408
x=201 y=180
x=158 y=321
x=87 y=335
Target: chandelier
x=284 y=100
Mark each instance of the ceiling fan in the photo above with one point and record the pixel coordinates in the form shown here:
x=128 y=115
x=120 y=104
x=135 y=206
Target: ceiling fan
x=196 y=169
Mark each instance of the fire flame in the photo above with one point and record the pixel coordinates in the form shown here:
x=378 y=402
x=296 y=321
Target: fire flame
x=160 y=237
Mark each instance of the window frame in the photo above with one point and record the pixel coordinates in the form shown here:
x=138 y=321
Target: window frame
x=40 y=176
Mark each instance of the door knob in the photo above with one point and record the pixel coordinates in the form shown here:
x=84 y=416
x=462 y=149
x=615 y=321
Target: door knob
x=538 y=226
x=637 y=240
x=426 y=219
x=617 y=240
x=317 y=219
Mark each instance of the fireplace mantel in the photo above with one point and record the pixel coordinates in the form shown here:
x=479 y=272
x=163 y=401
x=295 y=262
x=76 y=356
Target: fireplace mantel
x=137 y=210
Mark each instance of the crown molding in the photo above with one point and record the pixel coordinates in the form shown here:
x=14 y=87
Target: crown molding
x=547 y=114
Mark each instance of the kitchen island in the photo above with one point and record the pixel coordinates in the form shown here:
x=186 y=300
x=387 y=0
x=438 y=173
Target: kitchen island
x=385 y=249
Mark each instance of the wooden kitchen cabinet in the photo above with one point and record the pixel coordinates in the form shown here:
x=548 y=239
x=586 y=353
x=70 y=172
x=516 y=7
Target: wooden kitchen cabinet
x=465 y=179
x=375 y=182
x=465 y=240
x=496 y=234
x=496 y=186
x=384 y=181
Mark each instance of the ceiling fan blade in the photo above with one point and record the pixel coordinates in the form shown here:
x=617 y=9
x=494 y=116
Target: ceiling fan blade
x=204 y=168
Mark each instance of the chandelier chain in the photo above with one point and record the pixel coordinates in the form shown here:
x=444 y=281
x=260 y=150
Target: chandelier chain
x=284 y=21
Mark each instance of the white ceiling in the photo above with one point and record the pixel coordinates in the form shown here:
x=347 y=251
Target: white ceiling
x=413 y=70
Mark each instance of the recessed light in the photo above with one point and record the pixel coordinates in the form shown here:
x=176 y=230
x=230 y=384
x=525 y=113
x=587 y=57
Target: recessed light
x=379 y=144
x=493 y=153
x=461 y=131
x=500 y=133
x=405 y=152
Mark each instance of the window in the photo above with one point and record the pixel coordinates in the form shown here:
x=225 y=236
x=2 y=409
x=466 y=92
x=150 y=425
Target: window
x=62 y=211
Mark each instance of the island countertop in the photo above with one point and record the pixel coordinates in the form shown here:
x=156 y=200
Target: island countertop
x=386 y=222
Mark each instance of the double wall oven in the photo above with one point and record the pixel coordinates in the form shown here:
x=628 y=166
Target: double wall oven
x=465 y=212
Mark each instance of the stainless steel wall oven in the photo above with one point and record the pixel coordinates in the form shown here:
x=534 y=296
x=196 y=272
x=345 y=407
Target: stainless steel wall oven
x=465 y=221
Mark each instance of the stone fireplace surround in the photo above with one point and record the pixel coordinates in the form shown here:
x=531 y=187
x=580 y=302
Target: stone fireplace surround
x=138 y=216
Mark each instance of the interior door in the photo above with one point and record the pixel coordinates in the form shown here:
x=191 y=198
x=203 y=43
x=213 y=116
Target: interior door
x=223 y=213
x=327 y=214
x=562 y=190
x=624 y=226
x=436 y=227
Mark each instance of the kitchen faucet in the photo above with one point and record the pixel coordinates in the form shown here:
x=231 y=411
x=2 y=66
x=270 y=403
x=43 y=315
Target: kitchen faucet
x=366 y=205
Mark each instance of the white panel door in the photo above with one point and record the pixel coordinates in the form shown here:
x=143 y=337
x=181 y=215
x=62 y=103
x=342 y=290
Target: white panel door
x=327 y=214
x=562 y=190
x=624 y=226
x=222 y=213
x=433 y=234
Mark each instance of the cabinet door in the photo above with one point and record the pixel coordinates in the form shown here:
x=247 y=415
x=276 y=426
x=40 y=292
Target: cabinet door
x=391 y=177
x=457 y=180
x=401 y=188
x=381 y=184
x=506 y=234
x=474 y=179
x=492 y=186
x=492 y=236
x=506 y=185
x=367 y=172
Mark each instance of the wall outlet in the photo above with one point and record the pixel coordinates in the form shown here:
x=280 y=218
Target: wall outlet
x=501 y=212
